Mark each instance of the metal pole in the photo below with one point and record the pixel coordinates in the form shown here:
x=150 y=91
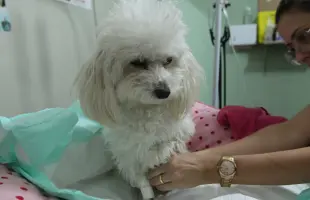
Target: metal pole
x=217 y=51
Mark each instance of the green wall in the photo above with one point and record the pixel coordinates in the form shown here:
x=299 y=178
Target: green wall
x=263 y=77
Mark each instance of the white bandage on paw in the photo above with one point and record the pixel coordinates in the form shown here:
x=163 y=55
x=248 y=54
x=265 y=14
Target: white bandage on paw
x=147 y=193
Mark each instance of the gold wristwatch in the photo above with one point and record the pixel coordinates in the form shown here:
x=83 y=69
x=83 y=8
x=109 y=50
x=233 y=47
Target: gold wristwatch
x=227 y=169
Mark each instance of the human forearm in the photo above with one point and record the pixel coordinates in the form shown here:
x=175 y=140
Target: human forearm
x=278 y=168
x=292 y=134
x=198 y=168
x=273 y=138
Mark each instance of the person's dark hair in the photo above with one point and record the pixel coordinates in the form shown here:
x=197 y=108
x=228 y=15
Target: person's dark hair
x=286 y=6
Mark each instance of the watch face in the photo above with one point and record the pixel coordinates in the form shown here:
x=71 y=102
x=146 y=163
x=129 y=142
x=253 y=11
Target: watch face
x=227 y=168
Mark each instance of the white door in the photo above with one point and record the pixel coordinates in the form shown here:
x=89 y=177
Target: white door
x=39 y=59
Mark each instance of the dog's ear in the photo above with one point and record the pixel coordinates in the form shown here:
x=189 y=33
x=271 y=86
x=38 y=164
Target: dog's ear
x=190 y=86
x=195 y=76
x=96 y=91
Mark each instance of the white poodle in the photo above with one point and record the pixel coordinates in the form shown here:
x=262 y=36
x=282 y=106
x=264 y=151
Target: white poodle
x=141 y=84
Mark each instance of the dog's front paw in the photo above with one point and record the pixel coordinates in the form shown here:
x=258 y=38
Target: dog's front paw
x=145 y=188
x=147 y=193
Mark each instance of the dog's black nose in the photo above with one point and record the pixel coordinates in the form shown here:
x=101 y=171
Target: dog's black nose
x=162 y=91
x=162 y=94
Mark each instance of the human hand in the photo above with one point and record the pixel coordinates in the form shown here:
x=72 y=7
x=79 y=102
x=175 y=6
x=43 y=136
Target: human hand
x=186 y=171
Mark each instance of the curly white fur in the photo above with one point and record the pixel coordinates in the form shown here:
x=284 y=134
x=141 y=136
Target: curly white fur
x=141 y=84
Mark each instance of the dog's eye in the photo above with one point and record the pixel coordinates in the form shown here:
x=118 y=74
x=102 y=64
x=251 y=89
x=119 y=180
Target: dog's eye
x=168 y=61
x=142 y=64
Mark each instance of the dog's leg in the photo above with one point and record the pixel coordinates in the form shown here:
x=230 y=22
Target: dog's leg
x=146 y=189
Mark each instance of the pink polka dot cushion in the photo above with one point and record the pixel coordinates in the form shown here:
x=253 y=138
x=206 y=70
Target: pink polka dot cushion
x=14 y=187
x=209 y=133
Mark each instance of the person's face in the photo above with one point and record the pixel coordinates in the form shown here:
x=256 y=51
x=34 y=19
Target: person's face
x=294 y=28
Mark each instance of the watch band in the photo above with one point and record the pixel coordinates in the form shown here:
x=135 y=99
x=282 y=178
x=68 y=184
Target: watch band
x=225 y=182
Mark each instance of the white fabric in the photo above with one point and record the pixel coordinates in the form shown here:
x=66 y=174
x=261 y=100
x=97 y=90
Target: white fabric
x=109 y=186
x=81 y=161
x=82 y=172
x=112 y=187
x=115 y=189
x=214 y=192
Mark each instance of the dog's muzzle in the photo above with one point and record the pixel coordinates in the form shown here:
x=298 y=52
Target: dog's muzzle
x=162 y=91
